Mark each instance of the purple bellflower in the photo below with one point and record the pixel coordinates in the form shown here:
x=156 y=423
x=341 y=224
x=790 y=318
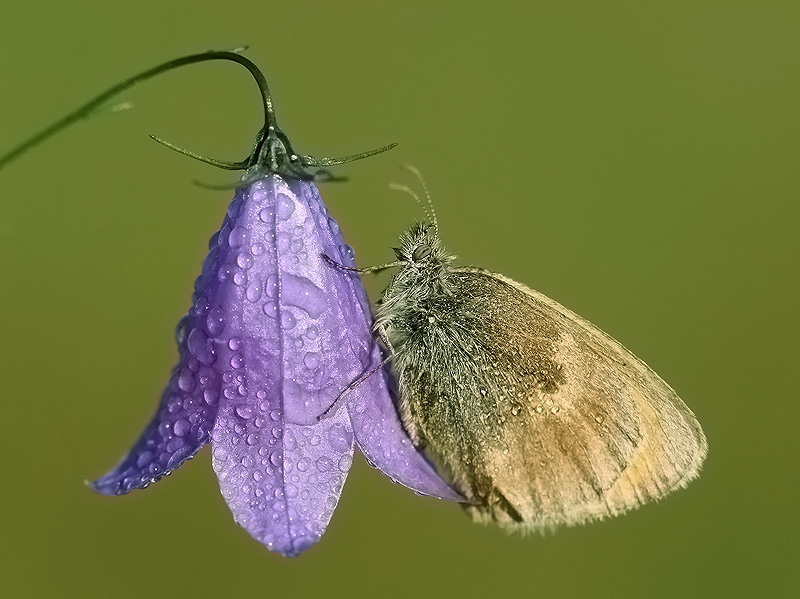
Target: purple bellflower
x=274 y=337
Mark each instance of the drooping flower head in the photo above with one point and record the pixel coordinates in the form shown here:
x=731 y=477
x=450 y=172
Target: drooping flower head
x=273 y=339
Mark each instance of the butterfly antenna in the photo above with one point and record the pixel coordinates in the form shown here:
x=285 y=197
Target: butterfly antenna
x=428 y=206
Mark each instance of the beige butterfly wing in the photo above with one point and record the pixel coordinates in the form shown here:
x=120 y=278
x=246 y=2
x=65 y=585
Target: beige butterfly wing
x=557 y=423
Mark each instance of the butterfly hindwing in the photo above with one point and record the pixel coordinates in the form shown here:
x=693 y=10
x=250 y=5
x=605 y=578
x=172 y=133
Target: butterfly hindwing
x=537 y=416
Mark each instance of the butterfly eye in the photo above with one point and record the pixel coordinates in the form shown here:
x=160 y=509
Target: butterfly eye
x=421 y=252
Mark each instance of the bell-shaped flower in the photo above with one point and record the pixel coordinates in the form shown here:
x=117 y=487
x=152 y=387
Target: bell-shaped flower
x=277 y=367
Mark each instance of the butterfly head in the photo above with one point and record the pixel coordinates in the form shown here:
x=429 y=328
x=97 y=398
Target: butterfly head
x=420 y=248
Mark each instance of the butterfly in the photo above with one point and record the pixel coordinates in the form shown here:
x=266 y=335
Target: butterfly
x=536 y=416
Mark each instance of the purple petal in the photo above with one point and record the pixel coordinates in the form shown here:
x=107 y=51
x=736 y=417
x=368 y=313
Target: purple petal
x=181 y=425
x=383 y=440
x=288 y=352
x=378 y=432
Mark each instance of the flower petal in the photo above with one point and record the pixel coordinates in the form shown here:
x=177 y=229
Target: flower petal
x=383 y=440
x=180 y=427
x=287 y=354
x=376 y=423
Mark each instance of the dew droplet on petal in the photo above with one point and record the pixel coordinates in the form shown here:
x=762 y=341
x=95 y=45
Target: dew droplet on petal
x=186 y=380
x=285 y=206
x=199 y=348
x=311 y=360
x=237 y=237
x=215 y=321
x=288 y=321
x=253 y=292
x=270 y=309
x=244 y=260
x=283 y=242
x=271 y=286
x=244 y=411
x=181 y=427
x=267 y=215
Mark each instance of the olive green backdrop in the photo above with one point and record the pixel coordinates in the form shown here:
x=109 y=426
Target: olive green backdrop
x=638 y=162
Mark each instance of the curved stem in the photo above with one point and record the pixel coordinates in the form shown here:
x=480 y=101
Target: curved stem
x=85 y=110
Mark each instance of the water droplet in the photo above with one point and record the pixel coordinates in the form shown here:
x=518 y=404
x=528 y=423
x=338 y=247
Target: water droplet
x=270 y=309
x=237 y=361
x=244 y=260
x=303 y=464
x=311 y=360
x=258 y=248
x=253 y=292
x=144 y=459
x=271 y=286
x=282 y=242
x=257 y=476
x=181 y=427
x=199 y=347
x=312 y=333
x=186 y=380
x=244 y=411
x=224 y=273
x=344 y=463
x=324 y=464
x=267 y=215
x=222 y=237
x=240 y=278
x=515 y=410
x=237 y=237
x=175 y=405
x=251 y=439
x=598 y=419
x=287 y=320
x=201 y=306
x=229 y=392
x=303 y=293
x=296 y=246
x=285 y=206
x=215 y=322
x=338 y=438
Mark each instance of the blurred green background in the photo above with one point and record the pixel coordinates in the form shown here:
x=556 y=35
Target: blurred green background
x=638 y=162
